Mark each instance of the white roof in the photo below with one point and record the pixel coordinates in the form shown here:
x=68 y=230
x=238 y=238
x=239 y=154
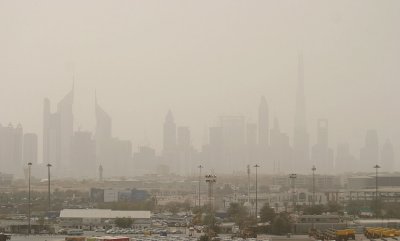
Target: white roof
x=103 y=213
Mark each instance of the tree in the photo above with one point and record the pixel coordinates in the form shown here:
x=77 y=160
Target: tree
x=267 y=214
x=334 y=207
x=123 y=222
x=281 y=224
x=237 y=213
x=314 y=210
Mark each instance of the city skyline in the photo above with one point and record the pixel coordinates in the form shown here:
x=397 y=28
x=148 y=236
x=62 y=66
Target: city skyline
x=148 y=58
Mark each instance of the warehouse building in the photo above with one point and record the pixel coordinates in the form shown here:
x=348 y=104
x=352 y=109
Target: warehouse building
x=79 y=218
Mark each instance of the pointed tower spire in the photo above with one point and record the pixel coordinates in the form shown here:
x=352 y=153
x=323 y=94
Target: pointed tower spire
x=263 y=123
x=300 y=137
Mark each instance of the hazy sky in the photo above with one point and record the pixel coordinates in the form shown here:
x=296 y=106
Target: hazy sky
x=202 y=59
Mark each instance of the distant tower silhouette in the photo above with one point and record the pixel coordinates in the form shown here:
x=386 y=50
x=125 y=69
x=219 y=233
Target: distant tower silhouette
x=58 y=130
x=169 y=133
x=322 y=155
x=100 y=173
x=300 y=138
x=263 y=124
x=369 y=154
x=387 y=157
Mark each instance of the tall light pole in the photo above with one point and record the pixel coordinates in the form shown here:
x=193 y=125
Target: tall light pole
x=48 y=187
x=313 y=193
x=200 y=167
x=293 y=177
x=376 y=188
x=29 y=197
x=211 y=179
x=313 y=185
x=256 y=166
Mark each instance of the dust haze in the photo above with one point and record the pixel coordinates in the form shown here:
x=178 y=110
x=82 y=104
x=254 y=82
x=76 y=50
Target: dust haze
x=191 y=82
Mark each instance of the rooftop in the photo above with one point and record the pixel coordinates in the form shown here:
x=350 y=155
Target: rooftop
x=103 y=213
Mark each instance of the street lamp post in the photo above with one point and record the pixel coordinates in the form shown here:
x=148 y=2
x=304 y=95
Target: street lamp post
x=313 y=185
x=211 y=179
x=48 y=187
x=29 y=197
x=200 y=167
x=313 y=193
x=256 y=214
x=293 y=177
x=376 y=188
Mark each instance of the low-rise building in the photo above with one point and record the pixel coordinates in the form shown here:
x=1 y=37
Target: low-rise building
x=101 y=217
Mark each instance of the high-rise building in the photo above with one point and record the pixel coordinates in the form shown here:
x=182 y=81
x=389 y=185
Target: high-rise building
x=251 y=143
x=113 y=154
x=145 y=160
x=263 y=124
x=344 y=160
x=30 y=153
x=387 y=157
x=58 y=131
x=169 y=136
x=281 y=151
x=185 y=152
x=169 y=153
x=183 y=134
x=103 y=123
x=369 y=154
x=83 y=155
x=11 y=140
x=212 y=152
x=322 y=155
x=233 y=143
x=300 y=137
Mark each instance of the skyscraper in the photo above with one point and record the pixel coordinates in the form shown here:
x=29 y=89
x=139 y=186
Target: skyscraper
x=11 y=149
x=387 y=157
x=30 y=153
x=281 y=152
x=233 y=143
x=322 y=155
x=113 y=154
x=369 y=154
x=83 y=155
x=103 y=123
x=263 y=124
x=170 y=154
x=58 y=131
x=344 y=159
x=169 y=136
x=185 y=152
x=300 y=137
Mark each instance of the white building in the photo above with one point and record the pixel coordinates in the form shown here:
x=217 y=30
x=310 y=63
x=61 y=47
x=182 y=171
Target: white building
x=100 y=217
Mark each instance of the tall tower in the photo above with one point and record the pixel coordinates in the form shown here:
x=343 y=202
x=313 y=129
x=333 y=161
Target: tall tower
x=369 y=154
x=263 y=123
x=46 y=130
x=300 y=138
x=387 y=157
x=66 y=118
x=103 y=123
x=58 y=132
x=322 y=155
x=169 y=133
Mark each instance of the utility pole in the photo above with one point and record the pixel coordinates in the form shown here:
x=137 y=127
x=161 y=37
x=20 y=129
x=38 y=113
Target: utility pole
x=313 y=193
x=211 y=180
x=48 y=179
x=200 y=167
x=376 y=189
x=256 y=214
x=248 y=184
x=29 y=197
x=293 y=177
x=313 y=186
